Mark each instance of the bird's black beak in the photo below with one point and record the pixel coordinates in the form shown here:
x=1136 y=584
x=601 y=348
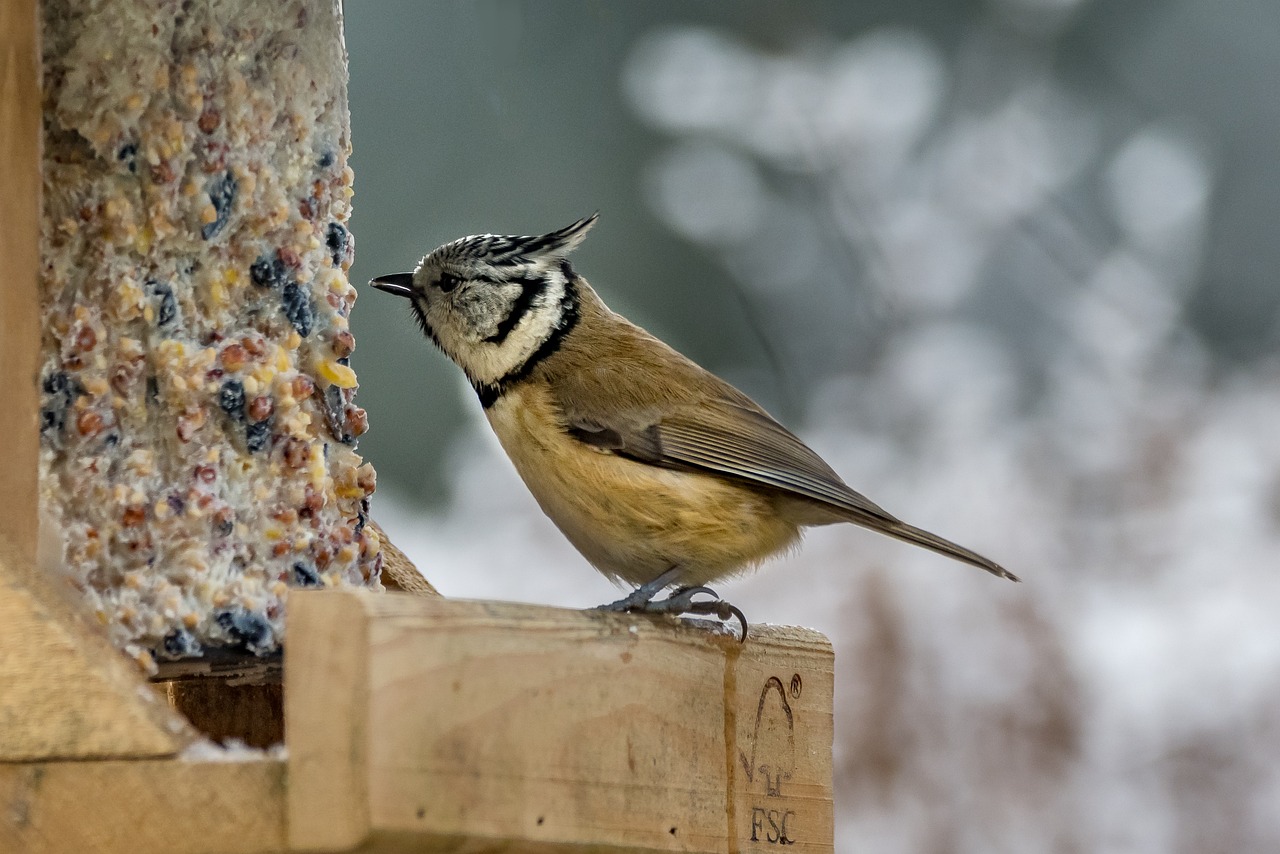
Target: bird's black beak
x=400 y=284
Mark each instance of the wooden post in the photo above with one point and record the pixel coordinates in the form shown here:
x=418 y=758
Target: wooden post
x=20 y=130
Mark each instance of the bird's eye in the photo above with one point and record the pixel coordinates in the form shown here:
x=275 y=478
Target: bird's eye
x=448 y=282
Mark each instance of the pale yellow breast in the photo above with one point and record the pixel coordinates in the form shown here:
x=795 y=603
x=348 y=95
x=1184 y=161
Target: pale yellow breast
x=631 y=520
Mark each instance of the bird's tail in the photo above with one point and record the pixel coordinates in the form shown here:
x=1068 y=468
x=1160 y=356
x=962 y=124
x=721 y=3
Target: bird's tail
x=919 y=537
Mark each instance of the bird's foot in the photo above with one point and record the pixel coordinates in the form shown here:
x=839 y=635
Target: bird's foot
x=640 y=598
x=681 y=601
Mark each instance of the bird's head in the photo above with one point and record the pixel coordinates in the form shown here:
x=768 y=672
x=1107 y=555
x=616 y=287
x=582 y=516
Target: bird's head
x=491 y=302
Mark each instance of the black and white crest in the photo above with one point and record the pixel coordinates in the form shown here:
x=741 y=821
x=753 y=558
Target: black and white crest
x=514 y=251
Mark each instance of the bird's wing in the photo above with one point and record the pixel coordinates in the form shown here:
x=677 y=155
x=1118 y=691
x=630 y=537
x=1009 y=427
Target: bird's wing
x=728 y=435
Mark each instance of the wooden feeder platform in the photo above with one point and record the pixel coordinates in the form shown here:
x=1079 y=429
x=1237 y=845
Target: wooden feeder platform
x=425 y=724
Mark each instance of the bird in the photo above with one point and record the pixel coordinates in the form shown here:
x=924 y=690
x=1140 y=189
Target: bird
x=660 y=473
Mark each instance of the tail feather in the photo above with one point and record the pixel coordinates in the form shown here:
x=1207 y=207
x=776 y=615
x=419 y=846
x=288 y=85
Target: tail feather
x=920 y=537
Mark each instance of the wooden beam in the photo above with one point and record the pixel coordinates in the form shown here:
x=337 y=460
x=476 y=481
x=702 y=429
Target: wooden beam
x=67 y=692
x=20 y=130
x=175 y=806
x=427 y=722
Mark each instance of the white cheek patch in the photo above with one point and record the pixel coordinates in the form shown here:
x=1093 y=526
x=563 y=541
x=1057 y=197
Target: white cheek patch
x=480 y=309
x=461 y=326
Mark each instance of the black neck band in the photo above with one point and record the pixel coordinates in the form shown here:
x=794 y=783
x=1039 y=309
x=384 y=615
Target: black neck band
x=570 y=314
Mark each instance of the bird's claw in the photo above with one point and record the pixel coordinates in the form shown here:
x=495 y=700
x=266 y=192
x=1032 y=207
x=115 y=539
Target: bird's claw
x=681 y=601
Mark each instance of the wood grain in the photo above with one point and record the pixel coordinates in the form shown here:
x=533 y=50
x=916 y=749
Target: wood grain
x=326 y=707
x=442 y=723
x=175 y=806
x=19 y=295
x=67 y=692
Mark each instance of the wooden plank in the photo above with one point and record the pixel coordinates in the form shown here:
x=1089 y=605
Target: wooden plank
x=170 y=806
x=440 y=724
x=67 y=692
x=326 y=702
x=19 y=296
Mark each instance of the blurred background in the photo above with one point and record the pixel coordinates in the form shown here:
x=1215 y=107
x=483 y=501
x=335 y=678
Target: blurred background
x=1005 y=264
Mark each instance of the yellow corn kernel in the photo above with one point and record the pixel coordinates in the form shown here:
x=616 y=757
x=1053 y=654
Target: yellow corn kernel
x=145 y=238
x=317 y=471
x=340 y=375
x=349 y=491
